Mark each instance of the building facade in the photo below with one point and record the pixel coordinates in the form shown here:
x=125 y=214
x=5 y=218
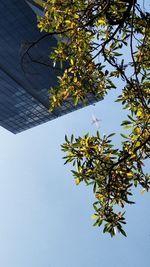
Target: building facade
x=26 y=75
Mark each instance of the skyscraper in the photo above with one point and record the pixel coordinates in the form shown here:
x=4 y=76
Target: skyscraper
x=26 y=75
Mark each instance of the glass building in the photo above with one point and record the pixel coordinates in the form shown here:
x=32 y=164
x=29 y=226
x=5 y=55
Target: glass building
x=26 y=74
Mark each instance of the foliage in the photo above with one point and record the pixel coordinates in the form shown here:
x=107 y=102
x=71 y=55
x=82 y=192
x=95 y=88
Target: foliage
x=94 y=39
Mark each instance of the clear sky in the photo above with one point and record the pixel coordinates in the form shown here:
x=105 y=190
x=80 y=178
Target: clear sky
x=45 y=218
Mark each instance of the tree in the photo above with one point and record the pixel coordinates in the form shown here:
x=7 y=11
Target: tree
x=93 y=38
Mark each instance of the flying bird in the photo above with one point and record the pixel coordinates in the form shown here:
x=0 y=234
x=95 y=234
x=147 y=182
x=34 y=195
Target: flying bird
x=96 y=121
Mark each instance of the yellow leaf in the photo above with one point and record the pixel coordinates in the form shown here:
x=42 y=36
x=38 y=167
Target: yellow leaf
x=143 y=191
x=39 y=2
x=68 y=21
x=54 y=99
x=137 y=130
x=139 y=113
x=99 y=197
x=77 y=181
x=94 y=217
x=72 y=25
x=130 y=174
x=76 y=16
x=133 y=156
x=71 y=61
x=75 y=79
x=101 y=21
x=138 y=144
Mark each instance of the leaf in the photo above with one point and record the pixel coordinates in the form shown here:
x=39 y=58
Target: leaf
x=139 y=113
x=122 y=232
x=124 y=136
x=71 y=61
x=39 y=2
x=76 y=101
x=130 y=174
x=72 y=137
x=94 y=188
x=102 y=21
x=77 y=181
x=131 y=118
x=66 y=139
x=143 y=191
x=125 y=123
x=98 y=134
x=110 y=135
x=94 y=217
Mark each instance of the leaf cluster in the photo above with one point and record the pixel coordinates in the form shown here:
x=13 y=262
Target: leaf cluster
x=94 y=39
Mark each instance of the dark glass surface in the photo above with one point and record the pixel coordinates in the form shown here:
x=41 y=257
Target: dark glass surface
x=24 y=83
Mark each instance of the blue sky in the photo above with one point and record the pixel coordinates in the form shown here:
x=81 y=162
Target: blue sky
x=45 y=218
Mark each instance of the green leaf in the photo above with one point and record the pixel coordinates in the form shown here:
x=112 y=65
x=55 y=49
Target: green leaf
x=94 y=188
x=126 y=123
x=110 y=135
x=124 y=136
x=98 y=134
x=72 y=137
x=122 y=232
x=66 y=139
